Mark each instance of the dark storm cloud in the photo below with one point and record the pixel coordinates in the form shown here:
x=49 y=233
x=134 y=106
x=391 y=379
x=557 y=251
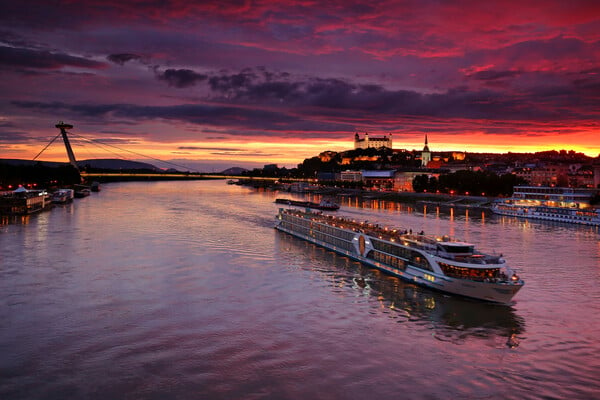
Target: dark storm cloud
x=257 y=99
x=242 y=120
x=15 y=40
x=181 y=78
x=236 y=82
x=40 y=59
x=536 y=98
x=10 y=135
x=340 y=98
x=122 y=58
x=199 y=114
x=490 y=75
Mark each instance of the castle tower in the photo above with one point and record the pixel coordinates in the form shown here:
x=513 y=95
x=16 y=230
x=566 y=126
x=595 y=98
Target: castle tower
x=425 y=154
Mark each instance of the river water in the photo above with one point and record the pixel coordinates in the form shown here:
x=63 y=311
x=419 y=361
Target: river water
x=170 y=290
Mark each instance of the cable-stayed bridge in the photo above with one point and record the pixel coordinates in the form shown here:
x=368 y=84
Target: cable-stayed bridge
x=116 y=151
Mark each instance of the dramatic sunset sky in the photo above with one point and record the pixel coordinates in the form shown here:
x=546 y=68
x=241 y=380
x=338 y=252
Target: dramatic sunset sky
x=249 y=83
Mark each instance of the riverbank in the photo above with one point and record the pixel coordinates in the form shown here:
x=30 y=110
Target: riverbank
x=434 y=199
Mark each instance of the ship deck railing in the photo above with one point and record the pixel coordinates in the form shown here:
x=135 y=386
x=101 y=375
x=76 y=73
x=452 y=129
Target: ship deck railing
x=402 y=236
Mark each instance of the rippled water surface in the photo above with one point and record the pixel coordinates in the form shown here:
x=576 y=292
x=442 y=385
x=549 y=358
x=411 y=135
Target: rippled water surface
x=184 y=290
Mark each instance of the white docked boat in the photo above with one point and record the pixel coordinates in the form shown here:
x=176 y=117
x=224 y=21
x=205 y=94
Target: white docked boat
x=558 y=204
x=436 y=262
x=62 y=196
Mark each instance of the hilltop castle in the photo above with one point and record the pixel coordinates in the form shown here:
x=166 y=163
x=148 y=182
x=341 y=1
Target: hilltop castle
x=374 y=142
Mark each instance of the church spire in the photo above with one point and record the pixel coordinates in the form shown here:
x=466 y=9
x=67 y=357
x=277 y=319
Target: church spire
x=425 y=154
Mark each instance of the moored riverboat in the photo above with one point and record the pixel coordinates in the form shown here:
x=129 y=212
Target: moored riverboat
x=325 y=205
x=82 y=191
x=557 y=204
x=63 y=196
x=440 y=263
x=95 y=186
x=22 y=202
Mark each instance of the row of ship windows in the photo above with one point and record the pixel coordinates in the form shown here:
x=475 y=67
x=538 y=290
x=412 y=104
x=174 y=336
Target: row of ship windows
x=388 y=253
x=330 y=230
x=343 y=244
x=474 y=274
x=552 y=215
x=387 y=259
x=395 y=249
x=414 y=258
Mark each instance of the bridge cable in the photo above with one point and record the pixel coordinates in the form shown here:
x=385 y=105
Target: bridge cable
x=99 y=143
x=48 y=145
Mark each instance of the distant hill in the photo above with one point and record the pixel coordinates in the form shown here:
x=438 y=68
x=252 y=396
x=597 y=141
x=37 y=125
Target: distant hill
x=17 y=162
x=234 y=171
x=110 y=163
x=92 y=163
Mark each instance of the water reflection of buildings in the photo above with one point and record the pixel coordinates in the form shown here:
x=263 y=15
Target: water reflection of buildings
x=15 y=219
x=452 y=318
x=439 y=211
x=543 y=225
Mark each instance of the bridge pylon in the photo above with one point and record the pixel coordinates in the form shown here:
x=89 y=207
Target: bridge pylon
x=63 y=131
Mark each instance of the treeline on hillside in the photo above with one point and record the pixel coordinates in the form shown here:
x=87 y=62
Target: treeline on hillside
x=42 y=176
x=386 y=158
x=472 y=182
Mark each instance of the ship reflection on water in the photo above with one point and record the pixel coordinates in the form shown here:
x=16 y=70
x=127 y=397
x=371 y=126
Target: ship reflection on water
x=450 y=318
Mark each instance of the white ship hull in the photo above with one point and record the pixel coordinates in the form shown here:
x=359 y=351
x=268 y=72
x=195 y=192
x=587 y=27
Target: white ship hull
x=549 y=214
x=549 y=203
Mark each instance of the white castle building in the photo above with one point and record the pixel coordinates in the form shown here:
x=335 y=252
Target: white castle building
x=372 y=142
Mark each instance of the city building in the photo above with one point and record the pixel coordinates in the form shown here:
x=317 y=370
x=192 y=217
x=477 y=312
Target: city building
x=403 y=180
x=351 y=176
x=545 y=175
x=379 y=179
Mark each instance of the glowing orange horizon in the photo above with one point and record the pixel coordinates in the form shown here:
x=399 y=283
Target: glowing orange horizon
x=293 y=152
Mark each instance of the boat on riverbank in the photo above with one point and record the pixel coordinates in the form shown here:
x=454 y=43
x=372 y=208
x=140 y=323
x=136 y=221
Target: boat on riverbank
x=23 y=202
x=324 y=205
x=63 y=196
x=439 y=263
x=82 y=191
x=557 y=204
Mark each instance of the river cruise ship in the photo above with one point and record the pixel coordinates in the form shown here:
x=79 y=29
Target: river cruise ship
x=439 y=263
x=558 y=204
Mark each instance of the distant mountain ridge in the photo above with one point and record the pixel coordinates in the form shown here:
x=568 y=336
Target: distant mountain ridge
x=112 y=163
x=106 y=163
x=234 y=171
